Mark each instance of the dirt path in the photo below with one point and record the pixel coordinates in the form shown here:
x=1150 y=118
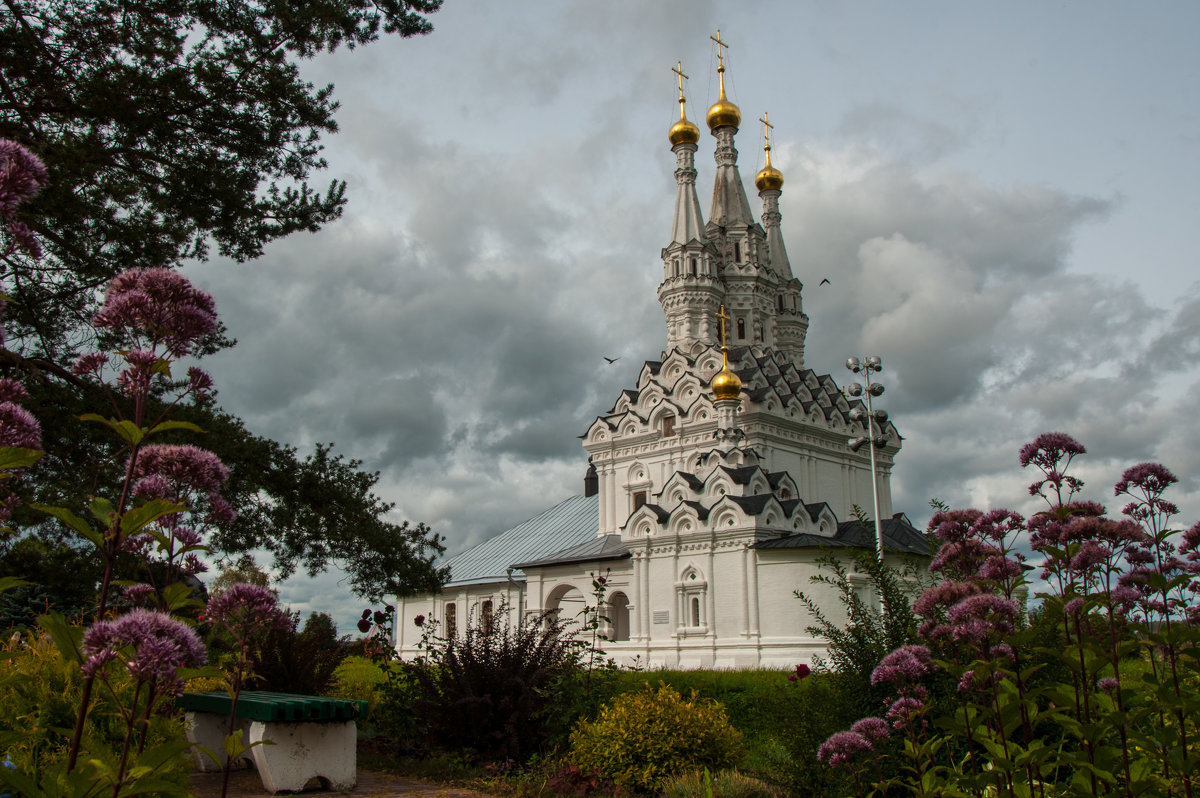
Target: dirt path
x=246 y=784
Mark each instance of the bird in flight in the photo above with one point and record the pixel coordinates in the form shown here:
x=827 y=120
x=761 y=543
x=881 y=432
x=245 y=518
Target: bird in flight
x=826 y=282
x=610 y=360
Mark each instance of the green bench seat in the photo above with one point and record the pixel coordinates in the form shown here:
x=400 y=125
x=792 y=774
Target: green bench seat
x=276 y=707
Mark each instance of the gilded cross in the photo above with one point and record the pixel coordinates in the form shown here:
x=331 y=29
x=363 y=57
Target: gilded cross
x=678 y=70
x=767 y=128
x=723 y=317
x=720 y=52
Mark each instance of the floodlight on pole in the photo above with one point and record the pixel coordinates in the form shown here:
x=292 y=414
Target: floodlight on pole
x=868 y=390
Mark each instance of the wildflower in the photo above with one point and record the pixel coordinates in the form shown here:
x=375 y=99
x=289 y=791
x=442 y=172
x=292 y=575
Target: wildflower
x=12 y=391
x=1108 y=684
x=22 y=175
x=18 y=427
x=160 y=303
x=873 y=729
x=904 y=711
x=247 y=610
x=139 y=593
x=946 y=594
x=842 y=747
x=89 y=364
x=158 y=646
x=184 y=467
x=1048 y=448
x=200 y=382
x=1150 y=478
x=802 y=672
x=907 y=663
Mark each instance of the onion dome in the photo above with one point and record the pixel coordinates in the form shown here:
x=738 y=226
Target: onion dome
x=683 y=131
x=770 y=178
x=723 y=113
x=725 y=384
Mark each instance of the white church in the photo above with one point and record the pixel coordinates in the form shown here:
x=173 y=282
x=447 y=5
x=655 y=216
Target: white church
x=716 y=483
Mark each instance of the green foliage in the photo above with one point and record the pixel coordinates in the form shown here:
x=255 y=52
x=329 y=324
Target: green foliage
x=167 y=127
x=360 y=679
x=644 y=738
x=58 y=577
x=491 y=691
x=300 y=661
x=39 y=699
x=724 y=784
x=868 y=633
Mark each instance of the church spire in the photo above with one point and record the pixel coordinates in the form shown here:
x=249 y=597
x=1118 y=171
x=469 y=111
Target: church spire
x=729 y=195
x=684 y=135
x=770 y=184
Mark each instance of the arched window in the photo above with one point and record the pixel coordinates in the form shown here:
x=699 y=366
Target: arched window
x=741 y=329
x=451 y=620
x=737 y=252
x=487 y=620
x=639 y=498
x=695 y=612
x=618 y=617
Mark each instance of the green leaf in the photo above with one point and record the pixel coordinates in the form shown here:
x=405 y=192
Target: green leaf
x=128 y=431
x=170 y=425
x=137 y=519
x=102 y=510
x=73 y=521
x=17 y=457
x=9 y=582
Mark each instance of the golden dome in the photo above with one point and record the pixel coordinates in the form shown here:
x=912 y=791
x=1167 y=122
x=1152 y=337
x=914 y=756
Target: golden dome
x=723 y=113
x=683 y=131
x=769 y=179
x=725 y=384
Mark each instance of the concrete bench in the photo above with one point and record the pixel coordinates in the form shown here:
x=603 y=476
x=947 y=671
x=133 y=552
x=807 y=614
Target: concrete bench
x=313 y=737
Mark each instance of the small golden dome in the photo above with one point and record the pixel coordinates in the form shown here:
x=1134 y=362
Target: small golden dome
x=684 y=131
x=723 y=113
x=725 y=384
x=769 y=179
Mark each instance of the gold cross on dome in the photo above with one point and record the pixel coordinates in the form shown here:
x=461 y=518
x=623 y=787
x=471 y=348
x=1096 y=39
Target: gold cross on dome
x=678 y=70
x=720 y=51
x=767 y=128
x=724 y=318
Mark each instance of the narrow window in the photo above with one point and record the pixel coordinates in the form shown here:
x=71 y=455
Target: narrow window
x=668 y=426
x=488 y=617
x=780 y=298
x=451 y=620
x=695 y=611
x=741 y=329
x=693 y=263
x=639 y=499
x=737 y=252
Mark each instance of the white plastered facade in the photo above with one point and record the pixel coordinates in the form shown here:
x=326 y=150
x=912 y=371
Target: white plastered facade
x=704 y=515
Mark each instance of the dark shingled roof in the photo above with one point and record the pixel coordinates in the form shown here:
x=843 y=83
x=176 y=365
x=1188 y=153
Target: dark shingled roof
x=898 y=535
x=608 y=547
x=752 y=505
x=740 y=475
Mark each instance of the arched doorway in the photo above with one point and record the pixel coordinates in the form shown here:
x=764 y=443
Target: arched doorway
x=618 y=617
x=566 y=603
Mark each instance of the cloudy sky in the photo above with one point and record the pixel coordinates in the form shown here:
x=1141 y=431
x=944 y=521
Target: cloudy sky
x=1004 y=199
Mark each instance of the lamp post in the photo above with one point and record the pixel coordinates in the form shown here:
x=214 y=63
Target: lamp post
x=868 y=390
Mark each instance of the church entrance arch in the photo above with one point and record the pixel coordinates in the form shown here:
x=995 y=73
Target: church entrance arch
x=618 y=617
x=565 y=603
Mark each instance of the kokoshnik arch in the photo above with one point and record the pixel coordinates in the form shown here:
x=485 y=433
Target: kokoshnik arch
x=713 y=487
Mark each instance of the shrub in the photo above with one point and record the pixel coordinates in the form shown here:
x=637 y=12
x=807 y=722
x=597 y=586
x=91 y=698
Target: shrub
x=301 y=662
x=358 y=678
x=644 y=738
x=39 y=699
x=492 y=690
x=725 y=784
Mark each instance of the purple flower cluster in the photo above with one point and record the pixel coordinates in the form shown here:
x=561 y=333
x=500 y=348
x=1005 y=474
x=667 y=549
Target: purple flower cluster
x=843 y=747
x=1051 y=453
x=161 y=304
x=18 y=427
x=246 y=611
x=907 y=664
x=22 y=176
x=152 y=645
